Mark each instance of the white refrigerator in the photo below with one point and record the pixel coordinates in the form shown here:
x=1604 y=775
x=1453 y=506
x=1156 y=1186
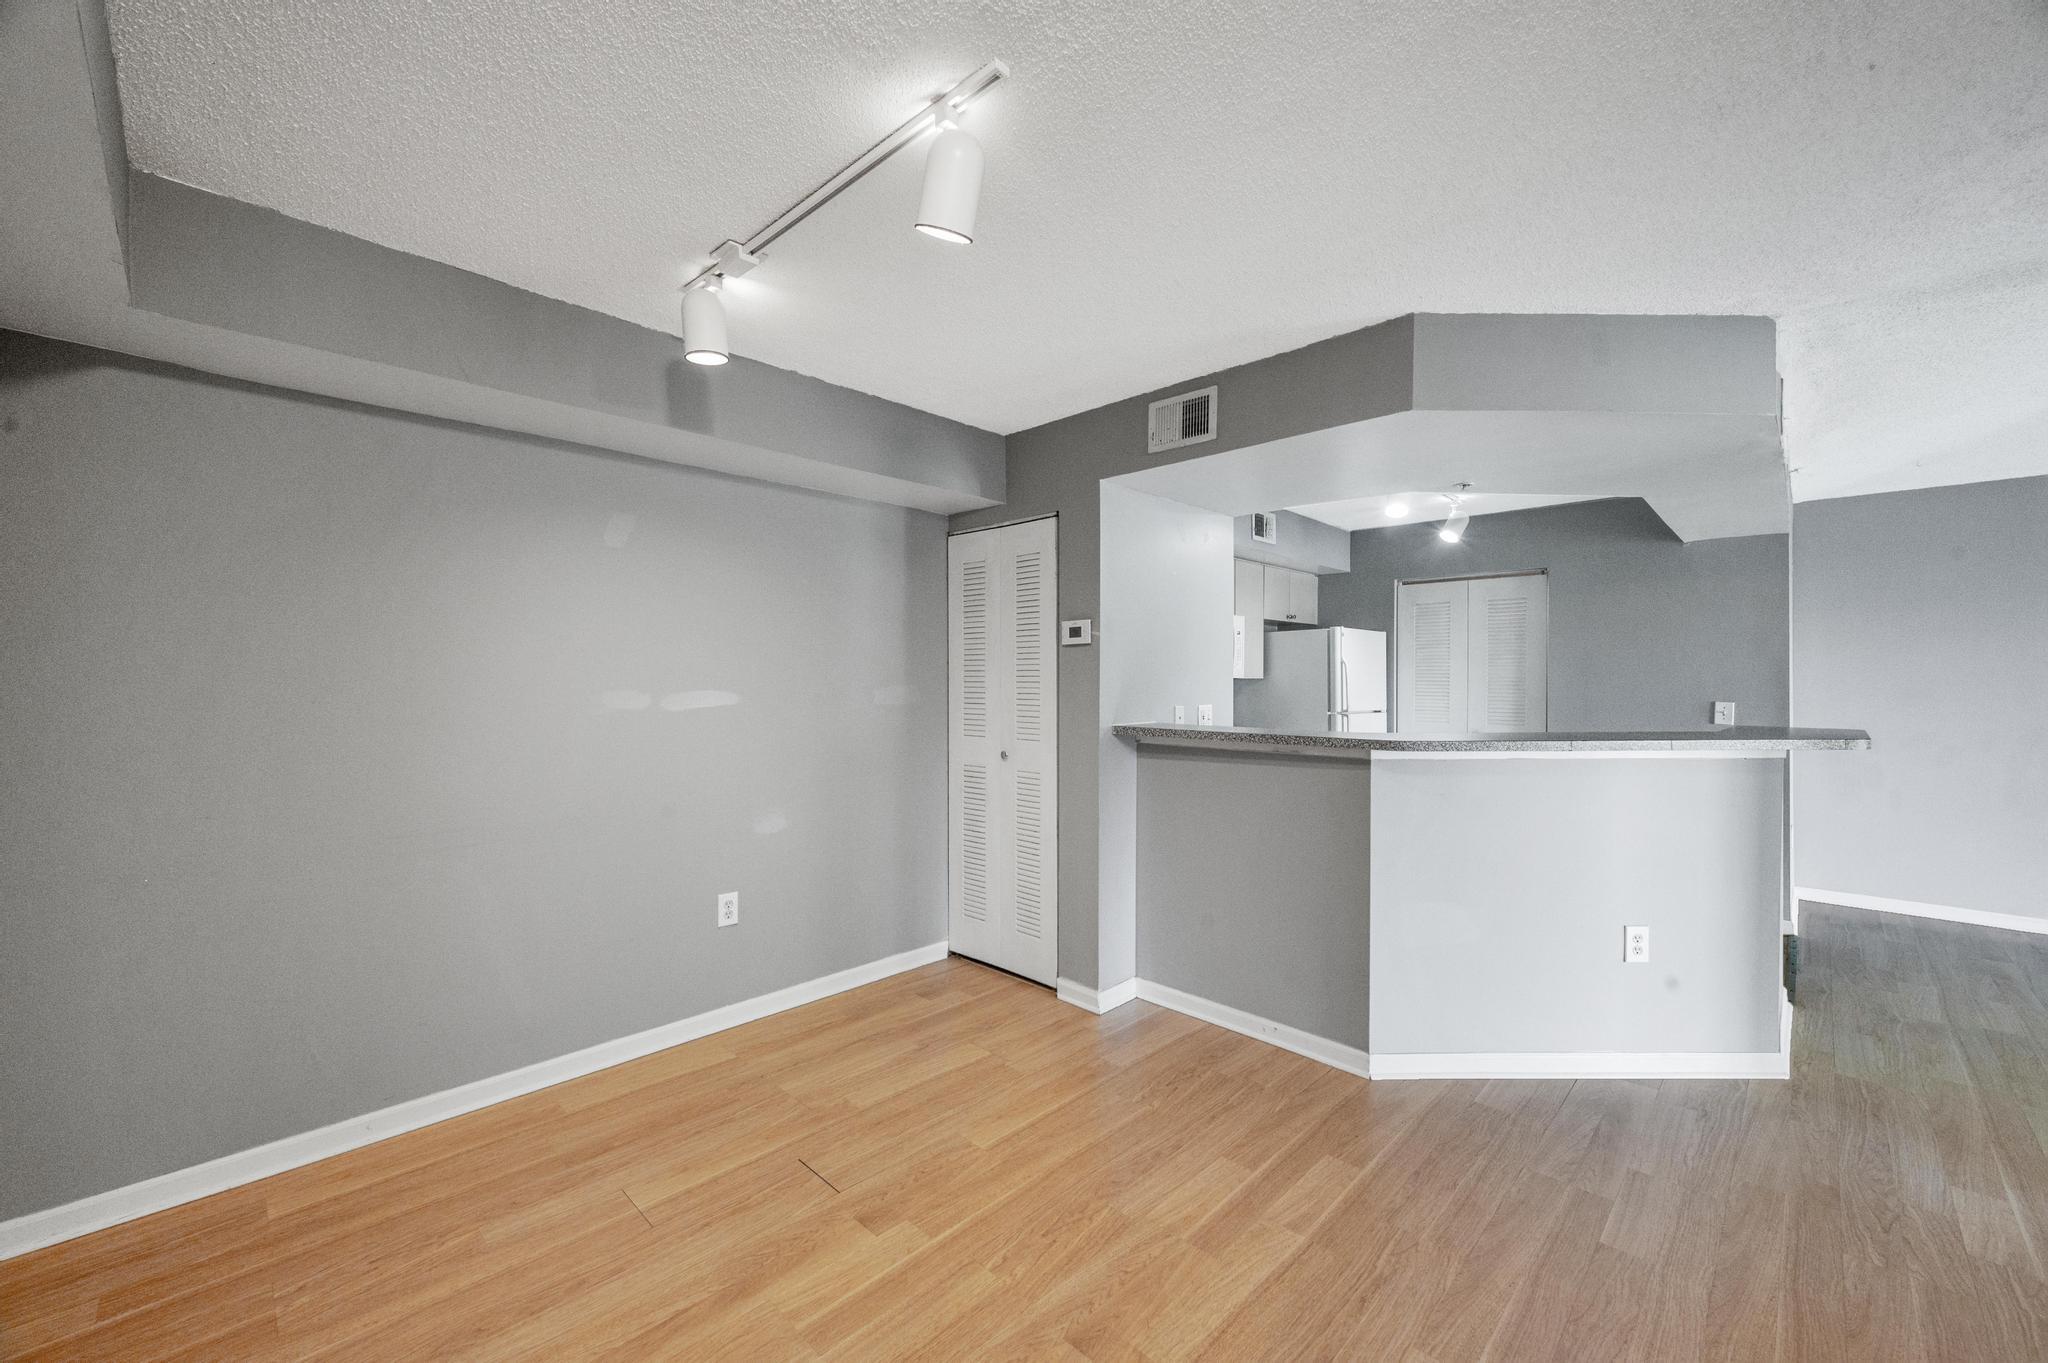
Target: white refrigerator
x=1319 y=680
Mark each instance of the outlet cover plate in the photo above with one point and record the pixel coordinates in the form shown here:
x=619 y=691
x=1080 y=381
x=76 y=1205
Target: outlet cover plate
x=1635 y=945
x=728 y=908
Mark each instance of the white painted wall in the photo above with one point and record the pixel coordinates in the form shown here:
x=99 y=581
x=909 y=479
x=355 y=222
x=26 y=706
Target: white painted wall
x=1165 y=636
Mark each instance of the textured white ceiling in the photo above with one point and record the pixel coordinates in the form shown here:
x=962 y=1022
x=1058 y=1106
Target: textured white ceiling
x=1175 y=188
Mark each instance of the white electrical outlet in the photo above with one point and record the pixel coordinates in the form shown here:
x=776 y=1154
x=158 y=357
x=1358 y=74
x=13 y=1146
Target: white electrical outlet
x=1635 y=945
x=728 y=908
x=1180 y=714
x=1205 y=714
x=1724 y=712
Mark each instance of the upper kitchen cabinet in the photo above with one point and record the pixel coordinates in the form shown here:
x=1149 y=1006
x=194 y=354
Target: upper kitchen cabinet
x=1291 y=596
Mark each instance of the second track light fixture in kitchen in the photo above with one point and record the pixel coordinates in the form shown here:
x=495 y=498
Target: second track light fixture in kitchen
x=945 y=211
x=1453 y=530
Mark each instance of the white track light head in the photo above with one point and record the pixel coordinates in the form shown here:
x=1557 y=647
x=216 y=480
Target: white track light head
x=704 y=324
x=1454 y=525
x=952 y=187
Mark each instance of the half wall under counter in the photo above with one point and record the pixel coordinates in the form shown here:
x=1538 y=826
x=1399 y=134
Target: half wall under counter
x=1455 y=905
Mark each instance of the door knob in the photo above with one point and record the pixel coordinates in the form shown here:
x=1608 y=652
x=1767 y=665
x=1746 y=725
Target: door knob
x=1006 y=754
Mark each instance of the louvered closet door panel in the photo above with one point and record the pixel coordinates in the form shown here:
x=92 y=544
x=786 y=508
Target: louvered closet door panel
x=975 y=709
x=1430 y=658
x=1031 y=629
x=1508 y=644
x=1003 y=853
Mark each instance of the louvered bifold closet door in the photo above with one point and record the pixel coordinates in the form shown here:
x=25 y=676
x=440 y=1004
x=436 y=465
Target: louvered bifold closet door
x=1429 y=658
x=1508 y=646
x=977 y=820
x=1003 y=718
x=1025 y=762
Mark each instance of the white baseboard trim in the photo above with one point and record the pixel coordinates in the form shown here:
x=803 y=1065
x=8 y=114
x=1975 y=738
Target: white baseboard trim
x=1586 y=1065
x=1096 y=1000
x=1983 y=918
x=1333 y=1053
x=110 y=1208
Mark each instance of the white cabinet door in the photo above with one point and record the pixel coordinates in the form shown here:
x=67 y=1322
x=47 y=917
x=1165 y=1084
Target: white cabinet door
x=1003 y=725
x=1291 y=595
x=1507 y=632
x=1472 y=655
x=1278 y=601
x=1304 y=593
x=1429 y=658
x=1248 y=599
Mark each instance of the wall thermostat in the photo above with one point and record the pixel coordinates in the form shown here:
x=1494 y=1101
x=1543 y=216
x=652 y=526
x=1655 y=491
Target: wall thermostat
x=1076 y=632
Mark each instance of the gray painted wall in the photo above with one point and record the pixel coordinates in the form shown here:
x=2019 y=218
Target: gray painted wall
x=352 y=756
x=1596 y=362
x=1311 y=546
x=1058 y=469
x=1923 y=617
x=1253 y=875
x=240 y=268
x=1166 y=582
x=1500 y=888
x=1646 y=631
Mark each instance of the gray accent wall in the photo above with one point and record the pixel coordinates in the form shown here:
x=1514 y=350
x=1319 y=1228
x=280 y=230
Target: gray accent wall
x=1923 y=617
x=239 y=268
x=1309 y=545
x=352 y=756
x=1253 y=876
x=1646 y=631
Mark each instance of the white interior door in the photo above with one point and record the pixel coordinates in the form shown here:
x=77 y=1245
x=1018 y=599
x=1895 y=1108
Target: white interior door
x=1472 y=655
x=1508 y=654
x=1003 y=726
x=1429 y=658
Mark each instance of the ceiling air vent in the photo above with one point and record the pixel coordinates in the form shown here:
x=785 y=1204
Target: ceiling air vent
x=1266 y=527
x=1185 y=420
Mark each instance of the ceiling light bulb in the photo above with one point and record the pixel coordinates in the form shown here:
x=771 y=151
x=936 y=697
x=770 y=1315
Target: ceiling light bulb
x=704 y=325
x=1396 y=509
x=1454 y=526
x=952 y=187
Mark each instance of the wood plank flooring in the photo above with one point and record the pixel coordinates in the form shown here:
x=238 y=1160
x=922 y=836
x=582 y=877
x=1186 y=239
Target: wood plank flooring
x=951 y=1164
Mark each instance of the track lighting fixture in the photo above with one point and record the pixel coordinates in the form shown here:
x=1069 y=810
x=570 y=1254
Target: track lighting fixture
x=952 y=184
x=946 y=209
x=1453 y=530
x=704 y=324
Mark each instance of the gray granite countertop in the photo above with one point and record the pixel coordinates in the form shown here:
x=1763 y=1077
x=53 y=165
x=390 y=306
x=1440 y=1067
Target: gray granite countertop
x=1737 y=738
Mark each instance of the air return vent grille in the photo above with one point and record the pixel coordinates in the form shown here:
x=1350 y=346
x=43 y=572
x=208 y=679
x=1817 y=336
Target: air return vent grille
x=1185 y=420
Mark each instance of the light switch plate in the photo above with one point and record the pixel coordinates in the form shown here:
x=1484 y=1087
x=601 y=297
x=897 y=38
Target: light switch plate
x=1074 y=632
x=1724 y=712
x=1635 y=945
x=1205 y=714
x=1180 y=714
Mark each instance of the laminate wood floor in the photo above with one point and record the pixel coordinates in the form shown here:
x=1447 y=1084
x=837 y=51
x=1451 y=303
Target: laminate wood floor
x=951 y=1164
